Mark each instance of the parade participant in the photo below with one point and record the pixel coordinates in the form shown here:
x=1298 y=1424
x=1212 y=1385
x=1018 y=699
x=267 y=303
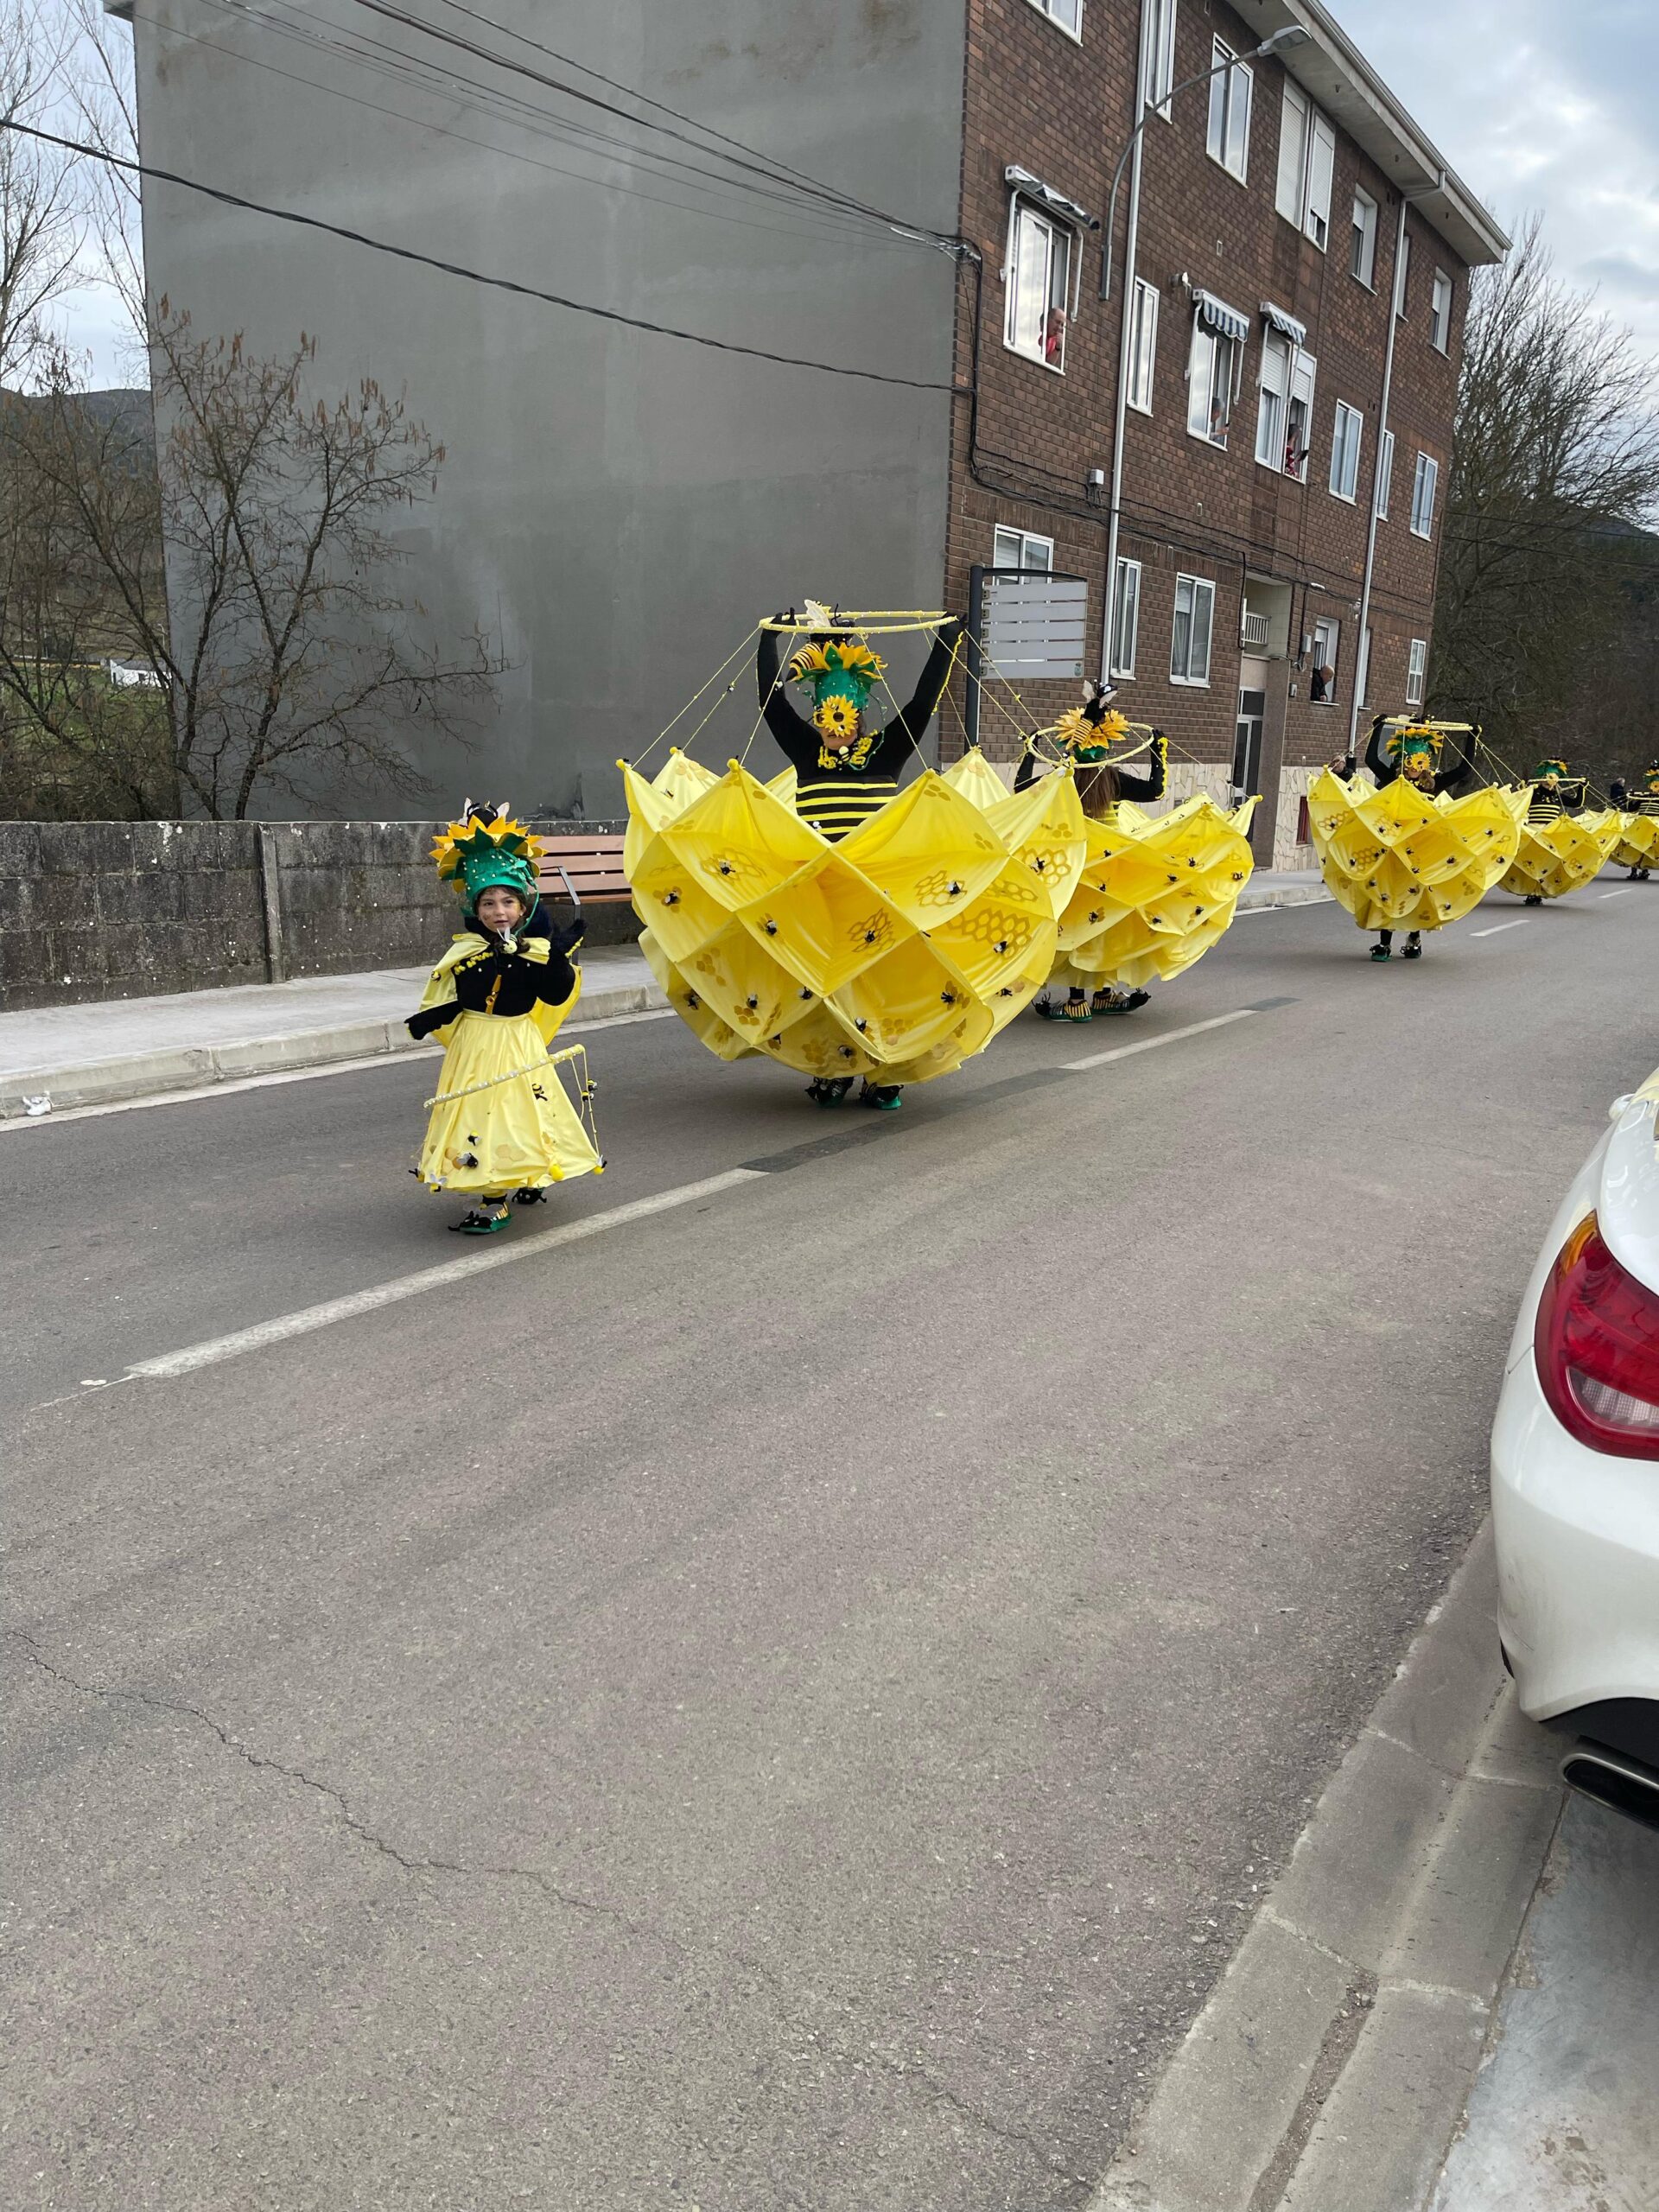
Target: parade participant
x=844 y=770
x=1085 y=735
x=1552 y=793
x=501 y=1125
x=1638 y=847
x=1407 y=756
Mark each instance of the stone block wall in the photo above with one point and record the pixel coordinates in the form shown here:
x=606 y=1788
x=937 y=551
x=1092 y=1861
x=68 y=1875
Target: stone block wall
x=112 y=910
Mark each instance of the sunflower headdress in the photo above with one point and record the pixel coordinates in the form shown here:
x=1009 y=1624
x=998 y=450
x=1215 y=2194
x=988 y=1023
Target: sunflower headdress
x=1549 y=768
x=1413 y=741
x=485 y=848
x=841 y=672
x=1085 y=742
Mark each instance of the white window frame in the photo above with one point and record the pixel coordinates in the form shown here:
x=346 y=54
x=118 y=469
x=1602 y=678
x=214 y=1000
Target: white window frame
x=1126 y=619
x=1425 y=484
x=1024 y=543
x=1230 y=89
x=1200 y=593
x=1143 y=345
x=1022 y=211
x=1347 y=440
x=1362 y=259
x=1273 y=406
x=1214 y=367
x=1328 y=626
x=1299 y=415
x=1159 y=63
x=1059 y=11
x=1416 y=671
x=1385 y=476
x=1306 y=175
x=1439 y=312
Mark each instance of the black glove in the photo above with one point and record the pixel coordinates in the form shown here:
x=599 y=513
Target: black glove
x=565 y=937
x=430 y=1018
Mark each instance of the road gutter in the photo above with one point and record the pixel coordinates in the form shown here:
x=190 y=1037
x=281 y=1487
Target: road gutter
x=1330 y=2065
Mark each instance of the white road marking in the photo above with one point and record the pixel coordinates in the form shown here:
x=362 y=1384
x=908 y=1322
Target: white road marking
x=309 y=1318
x=1497 y=926
x=291 y=1075
x=1151 y=1044
x=1620 y=893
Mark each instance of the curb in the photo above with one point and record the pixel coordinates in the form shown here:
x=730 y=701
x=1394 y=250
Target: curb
x=1331 y=2066
x=194 y=1067
x=1313 y=894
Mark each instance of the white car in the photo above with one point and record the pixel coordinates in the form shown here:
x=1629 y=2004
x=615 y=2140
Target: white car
x=1575 y=1472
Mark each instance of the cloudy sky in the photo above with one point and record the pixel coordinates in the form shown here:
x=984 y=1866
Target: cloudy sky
x=1541 y=104
x=1536 y=104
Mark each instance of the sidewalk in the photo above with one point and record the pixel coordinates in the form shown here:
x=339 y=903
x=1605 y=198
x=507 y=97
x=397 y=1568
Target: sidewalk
x=96 y=1054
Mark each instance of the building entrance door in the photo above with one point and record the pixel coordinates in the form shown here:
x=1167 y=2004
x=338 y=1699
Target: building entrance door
x=1247 y=744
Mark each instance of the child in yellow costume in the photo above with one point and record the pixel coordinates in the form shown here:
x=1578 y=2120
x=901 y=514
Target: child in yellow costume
x=501 y=1125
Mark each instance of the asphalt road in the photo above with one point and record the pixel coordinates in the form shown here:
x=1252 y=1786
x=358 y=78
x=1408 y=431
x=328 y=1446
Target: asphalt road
x=785 y=1703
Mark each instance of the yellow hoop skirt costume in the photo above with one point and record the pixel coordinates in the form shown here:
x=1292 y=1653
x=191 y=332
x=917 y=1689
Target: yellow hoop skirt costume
x=1156 y=892
x=903 y=949
x=1638 y=841
x=1398 y=859
x=1563 y=855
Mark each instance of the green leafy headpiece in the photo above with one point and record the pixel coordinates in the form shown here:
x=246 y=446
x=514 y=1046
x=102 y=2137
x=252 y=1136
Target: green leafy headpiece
x=487 y=849
x=1413 y=741
x=842 y=672
x=1549 y=768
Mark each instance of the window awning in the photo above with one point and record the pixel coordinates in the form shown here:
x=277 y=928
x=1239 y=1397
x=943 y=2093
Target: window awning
x=1056 y=202
x=1286 y=324
x=1219 y=316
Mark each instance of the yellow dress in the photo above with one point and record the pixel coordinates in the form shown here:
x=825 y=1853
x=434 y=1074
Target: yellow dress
x=903 y=949
x=1638 y=841
x=1563 y=855
x=1156 y=892
x=501 y=1120
x=1400 y=859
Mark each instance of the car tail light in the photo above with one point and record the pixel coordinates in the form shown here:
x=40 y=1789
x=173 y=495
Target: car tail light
x=1596 y=1341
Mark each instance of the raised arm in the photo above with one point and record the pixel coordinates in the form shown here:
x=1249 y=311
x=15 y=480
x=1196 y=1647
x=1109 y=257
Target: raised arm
x=909 y=726
x=796 y=736
x=1376 y=759
x=1456 y=780
x=1156 y=782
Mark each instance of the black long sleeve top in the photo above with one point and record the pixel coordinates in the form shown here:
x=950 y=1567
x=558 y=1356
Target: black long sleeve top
x=1141 y=790
x=495 y=981
x=838 y=791
x=1453 y=781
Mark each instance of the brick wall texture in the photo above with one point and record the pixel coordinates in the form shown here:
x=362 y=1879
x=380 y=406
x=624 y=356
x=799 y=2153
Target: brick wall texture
x=1063 y=109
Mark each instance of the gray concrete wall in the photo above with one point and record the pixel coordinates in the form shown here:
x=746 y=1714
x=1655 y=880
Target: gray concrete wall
x=616 y=507
x=117 y=910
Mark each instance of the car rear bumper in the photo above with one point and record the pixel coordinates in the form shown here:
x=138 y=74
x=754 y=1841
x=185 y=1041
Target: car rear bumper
x=1578 y=1562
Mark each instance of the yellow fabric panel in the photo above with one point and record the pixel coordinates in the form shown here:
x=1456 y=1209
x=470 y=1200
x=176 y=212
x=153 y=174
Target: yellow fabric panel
x=699 y=1019
x=670 y=902
x=928 y=851
x=998 y=932
x=826 y=923
x=1399 y=858
x=906 y=1003
x=741 y=841
x=744 y=985
x=822 y=1043
x=1156 y=893
x=512 y=1125
x=976 y=778
x=1047 y=830
x=1556 y=857
x=1638 y=840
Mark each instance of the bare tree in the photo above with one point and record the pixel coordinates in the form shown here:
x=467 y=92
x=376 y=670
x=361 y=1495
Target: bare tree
x=1556 y=462
x=42 y=224
x=285 y=653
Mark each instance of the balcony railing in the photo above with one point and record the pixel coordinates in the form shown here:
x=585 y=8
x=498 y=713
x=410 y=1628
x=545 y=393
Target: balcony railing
x=1253 y=629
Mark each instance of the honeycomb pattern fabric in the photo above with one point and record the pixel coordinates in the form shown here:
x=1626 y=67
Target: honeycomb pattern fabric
x=1638 y=841
x=1397 y=858
x=1563 y=855
x=1156 y=892
x=903 y=949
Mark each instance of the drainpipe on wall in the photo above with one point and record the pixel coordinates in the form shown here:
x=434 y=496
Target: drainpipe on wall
x=1362 y=658
x=1125 y=338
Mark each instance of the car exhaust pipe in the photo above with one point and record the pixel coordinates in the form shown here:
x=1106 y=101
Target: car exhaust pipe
x=1613 y=1780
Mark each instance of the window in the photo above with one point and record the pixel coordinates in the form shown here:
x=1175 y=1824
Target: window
x=1346 y=440
x=1307 y=161
x=1143 y=344
x=1322 y=668
x=1189 y=645
x=1361 y=261
x=1439 y=311
x=1018 y=549
x=1160 y=57
x=1038 y=278
x=1422 y=496
x=1126 y=618
x=1068 y=14
x=1416 y=668
x=1285 y=415
x=1230 y=112
x=1403 y=275
x=1385 y=476
x=1211 y=380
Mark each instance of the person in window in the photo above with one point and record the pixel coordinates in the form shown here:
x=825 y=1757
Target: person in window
x=1219 y=421
x=1054 y=337
x=1407 y=756
x=1319 y=686
x=846 y=771
x=1084 y=734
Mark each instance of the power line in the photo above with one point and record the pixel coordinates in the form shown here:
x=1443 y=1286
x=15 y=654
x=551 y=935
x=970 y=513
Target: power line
x=458 y=269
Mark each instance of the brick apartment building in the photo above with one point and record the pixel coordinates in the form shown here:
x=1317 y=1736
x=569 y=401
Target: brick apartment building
x=617 y=508
x=1257 y=249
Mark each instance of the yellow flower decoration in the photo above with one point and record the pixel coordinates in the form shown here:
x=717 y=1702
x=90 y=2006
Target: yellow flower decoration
x=842 y=656
x=835 y=716
x=450 y=849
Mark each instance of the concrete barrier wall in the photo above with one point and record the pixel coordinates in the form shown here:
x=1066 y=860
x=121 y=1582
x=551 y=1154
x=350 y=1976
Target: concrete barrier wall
x=113 y=910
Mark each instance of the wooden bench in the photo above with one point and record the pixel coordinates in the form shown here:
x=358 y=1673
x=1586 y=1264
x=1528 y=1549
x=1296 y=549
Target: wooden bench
x=593 y=865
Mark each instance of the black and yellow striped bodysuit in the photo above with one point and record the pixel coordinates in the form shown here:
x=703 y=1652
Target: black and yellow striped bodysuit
x=837 y=791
